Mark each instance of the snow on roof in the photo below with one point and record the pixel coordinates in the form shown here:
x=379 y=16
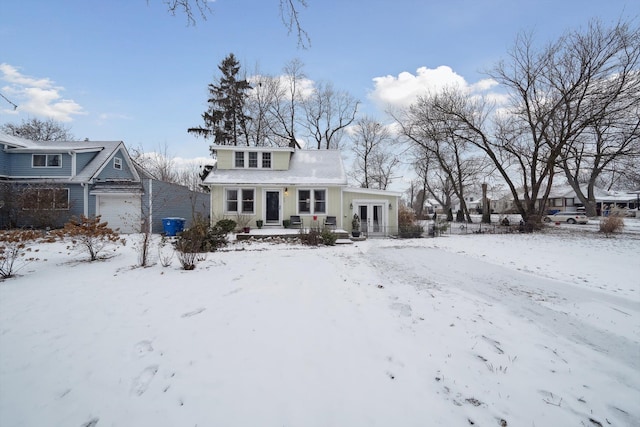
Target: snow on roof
x=317 y=167
x=14 y=140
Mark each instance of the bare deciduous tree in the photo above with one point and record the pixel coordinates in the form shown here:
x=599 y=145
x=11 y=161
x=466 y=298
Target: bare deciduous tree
x=556 y=94
x=158 y=163
x=328 y=112
x=289 y=13
x=433 y=134
x=287 y=102
x=39 y=130
x=374 y=163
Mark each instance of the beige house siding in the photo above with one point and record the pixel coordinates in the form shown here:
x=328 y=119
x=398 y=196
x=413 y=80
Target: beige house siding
x=280 y=160
x=279 y=157
x=354 y=198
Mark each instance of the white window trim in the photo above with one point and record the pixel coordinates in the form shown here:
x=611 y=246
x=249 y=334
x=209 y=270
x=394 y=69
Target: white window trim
x=270 y=160
x=245 y=162
x=239 y=201
x=117 y=163
x=46 y=161
x=312 y=203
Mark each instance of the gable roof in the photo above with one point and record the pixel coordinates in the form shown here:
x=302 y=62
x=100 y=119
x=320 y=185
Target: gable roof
x=105 y=150
x=311 y=167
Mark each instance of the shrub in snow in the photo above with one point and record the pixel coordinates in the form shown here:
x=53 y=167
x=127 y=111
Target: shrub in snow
x=611 y=224
x=197 y=240
x=226 y=225
x=328 y=237
x=14 y=246
x=90 y=235
x=407 y=226
x=165 y=255
x=143 y=248
x=311 y=238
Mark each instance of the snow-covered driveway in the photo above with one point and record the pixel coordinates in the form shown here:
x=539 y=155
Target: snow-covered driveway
x=514 y=330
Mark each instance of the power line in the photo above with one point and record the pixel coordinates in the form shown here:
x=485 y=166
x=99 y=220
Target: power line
x=15 y=107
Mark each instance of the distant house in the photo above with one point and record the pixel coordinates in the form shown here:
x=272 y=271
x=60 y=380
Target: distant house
x=45 y=183
x=564 y=198
x=272 y=184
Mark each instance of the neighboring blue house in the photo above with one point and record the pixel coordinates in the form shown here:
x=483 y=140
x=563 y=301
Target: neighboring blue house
x=48 y=182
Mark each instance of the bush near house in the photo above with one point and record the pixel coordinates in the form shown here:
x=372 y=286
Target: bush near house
x=226 y=225
x=407 y=226
x=91 y=235
x=200 y=238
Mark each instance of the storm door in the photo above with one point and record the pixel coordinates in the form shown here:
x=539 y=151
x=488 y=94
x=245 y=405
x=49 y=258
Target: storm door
x=272 y=215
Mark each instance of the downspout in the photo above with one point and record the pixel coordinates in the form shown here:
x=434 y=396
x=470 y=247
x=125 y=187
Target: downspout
x=150 y=205
x=85 y=188
x=341 y=208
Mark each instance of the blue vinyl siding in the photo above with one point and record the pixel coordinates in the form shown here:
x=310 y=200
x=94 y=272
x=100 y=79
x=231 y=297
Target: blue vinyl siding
x=83 y=159
x=110 y=173
x=21 y=165
x=172 y=200
x=5 y=163
x=76 y=200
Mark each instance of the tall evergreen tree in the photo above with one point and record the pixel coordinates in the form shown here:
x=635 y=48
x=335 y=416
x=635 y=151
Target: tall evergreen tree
x=226 y=121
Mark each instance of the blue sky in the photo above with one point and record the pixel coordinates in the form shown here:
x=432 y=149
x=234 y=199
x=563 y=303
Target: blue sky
x=128 y=70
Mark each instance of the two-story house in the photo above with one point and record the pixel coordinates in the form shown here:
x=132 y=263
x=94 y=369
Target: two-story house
x=272 y=184
x=45 y=183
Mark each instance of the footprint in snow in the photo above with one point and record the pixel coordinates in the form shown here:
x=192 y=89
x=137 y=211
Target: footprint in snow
x=143 y=347
x=142 y=381
x=404 y=309
x=194 y=312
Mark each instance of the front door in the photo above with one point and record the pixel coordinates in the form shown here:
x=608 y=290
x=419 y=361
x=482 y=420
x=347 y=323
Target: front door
x=272 y=214
x=372 y=219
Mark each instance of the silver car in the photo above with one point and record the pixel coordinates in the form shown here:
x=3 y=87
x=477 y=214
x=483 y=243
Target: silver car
x=568 y=217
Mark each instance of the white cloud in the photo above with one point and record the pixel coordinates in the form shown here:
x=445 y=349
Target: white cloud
x=402 y=90
x=38 y=96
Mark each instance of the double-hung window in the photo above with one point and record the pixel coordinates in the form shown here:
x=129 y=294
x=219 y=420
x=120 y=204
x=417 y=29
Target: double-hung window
x=266 y=160
x=239 y=159
x=320 y=201
x=117 y=163
x=253 y=159
x=312 y=201
x=240 y=200
x=46 y=160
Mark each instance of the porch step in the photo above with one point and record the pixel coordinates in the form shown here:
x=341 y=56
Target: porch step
x=344 y=242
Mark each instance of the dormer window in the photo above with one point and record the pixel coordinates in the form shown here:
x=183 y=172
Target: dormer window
x=266 y=160
x=252 y=159
x=239 y=157
x=46 y=161
x=117 y=163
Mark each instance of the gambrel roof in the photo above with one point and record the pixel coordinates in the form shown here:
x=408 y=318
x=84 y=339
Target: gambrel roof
x=306 y=167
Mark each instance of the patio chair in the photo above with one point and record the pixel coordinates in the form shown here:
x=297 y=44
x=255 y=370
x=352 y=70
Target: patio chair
x=295 y=221
x=330 y=222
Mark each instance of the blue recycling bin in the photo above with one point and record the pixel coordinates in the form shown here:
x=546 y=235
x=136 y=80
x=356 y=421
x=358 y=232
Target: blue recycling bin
x=173 y=226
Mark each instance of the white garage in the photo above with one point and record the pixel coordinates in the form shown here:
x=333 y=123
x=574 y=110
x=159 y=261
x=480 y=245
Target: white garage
x=121 y=211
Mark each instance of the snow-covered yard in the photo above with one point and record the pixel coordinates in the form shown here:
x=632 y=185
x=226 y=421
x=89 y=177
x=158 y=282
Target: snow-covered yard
x=487 y=330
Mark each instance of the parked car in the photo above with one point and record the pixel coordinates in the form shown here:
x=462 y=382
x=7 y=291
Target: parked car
x=568 y=217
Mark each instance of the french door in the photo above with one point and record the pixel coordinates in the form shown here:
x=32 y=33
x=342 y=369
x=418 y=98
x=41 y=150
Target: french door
x=372 y=219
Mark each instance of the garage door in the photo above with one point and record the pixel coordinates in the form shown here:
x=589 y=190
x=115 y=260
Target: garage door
x=120 y=211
